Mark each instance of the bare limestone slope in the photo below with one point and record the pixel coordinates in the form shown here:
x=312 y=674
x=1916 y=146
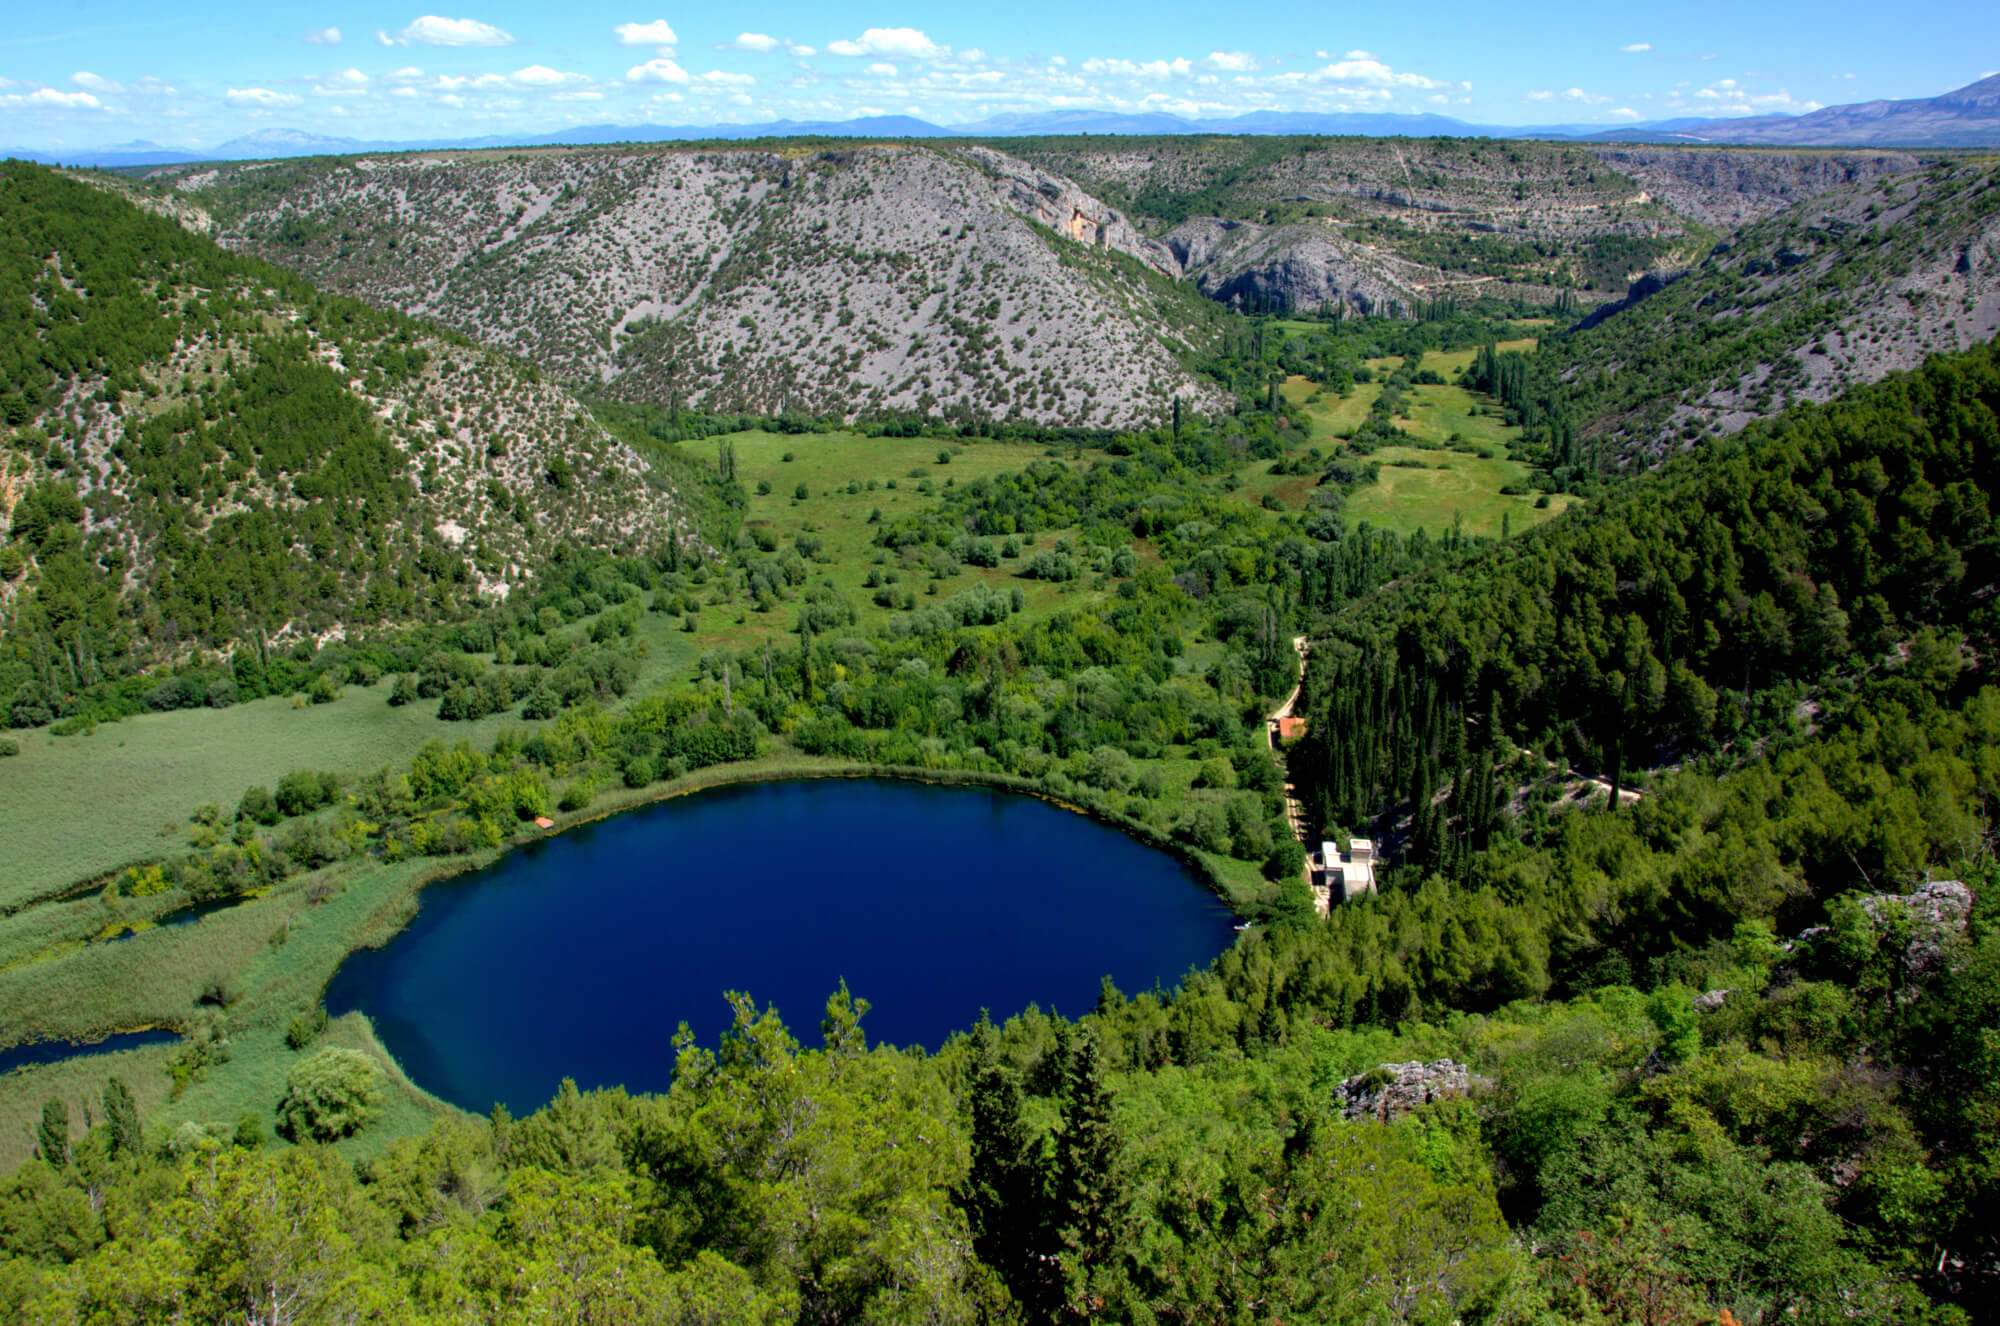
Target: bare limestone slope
x=842 y=282
x=1837 y=291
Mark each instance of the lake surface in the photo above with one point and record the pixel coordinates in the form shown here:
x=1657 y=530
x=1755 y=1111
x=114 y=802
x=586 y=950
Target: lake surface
x=579 y=955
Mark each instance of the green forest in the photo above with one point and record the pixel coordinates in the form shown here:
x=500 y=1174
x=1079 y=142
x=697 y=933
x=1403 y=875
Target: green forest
x=1679 y=1001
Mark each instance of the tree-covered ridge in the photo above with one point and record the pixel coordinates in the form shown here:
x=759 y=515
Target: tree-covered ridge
x=203 y=451
x=1722 y=598
x=1835 y=292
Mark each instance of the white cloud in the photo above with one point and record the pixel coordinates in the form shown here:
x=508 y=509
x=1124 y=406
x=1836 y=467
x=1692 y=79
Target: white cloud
x=1637 y=47
x=540 y=75
x=48 y=98
x=908 y=43
x=1578 y=94
x=1181 y=68
x=92 y=83
x=407 y=72
x=1728 y=97
x=586 y=94
x=760 y=42
x=1232 y=62
x=1543 y=95
x=794 y=48
x=717 y=78
x=1361 y=67
x=1625 y=113
x=434 y=31
x=884 y=68
x=260 y=97
x=657 y=33
x=346 y=83
x=660 y=70
x=323 y=36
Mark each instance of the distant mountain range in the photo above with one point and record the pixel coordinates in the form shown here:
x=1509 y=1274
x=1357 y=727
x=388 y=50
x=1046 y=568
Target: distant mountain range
x=1968 y=117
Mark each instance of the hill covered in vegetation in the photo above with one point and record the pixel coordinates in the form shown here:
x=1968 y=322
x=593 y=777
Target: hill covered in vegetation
x=202 y=451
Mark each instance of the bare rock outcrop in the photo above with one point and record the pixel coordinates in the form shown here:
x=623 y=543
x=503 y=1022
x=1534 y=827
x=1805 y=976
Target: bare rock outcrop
x=1934 y=912
x=1057 y=203
x=1393 y=1090
x=1302 y=267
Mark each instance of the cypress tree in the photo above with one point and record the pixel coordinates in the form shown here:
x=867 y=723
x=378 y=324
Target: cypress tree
x=121 y=1113
x=52 y=1134
x=1003 y=1196
x=1089 y=1202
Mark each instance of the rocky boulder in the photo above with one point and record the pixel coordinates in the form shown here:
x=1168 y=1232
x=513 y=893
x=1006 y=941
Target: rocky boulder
x=1393 y=1090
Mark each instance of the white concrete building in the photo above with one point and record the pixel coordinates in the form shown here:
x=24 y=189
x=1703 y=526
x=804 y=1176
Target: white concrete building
x=1345 y=875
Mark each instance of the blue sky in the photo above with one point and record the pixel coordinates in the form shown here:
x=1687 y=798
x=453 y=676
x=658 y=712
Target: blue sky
x=84 y=73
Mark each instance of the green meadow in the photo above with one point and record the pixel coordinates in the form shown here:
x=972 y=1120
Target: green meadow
x=853 y=484
x=1452 y=473
x=1432 y=490
x=81 y=806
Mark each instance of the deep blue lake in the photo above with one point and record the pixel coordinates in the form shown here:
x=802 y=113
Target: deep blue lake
x=579 y=955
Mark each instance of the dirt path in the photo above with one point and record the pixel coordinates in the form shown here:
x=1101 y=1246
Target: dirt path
x=1295 y=814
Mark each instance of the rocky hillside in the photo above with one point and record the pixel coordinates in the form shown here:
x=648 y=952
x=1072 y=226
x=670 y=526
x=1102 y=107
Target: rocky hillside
x=1723 y=188
x=1384 y=222
x=199 y=448
x=848 y=282
x=1416 y=217
x=1839 y=290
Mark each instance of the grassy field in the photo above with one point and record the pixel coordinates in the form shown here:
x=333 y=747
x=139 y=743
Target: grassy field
x=837 y=469
x=1450 y=486
x=1451 y=473
x=80 y=806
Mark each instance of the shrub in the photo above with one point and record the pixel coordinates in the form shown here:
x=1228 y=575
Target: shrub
x=299 y=792
x=578 y=794
x=331 y=1095
x=258 y=806
x=9 y=746
x=305 y=1029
